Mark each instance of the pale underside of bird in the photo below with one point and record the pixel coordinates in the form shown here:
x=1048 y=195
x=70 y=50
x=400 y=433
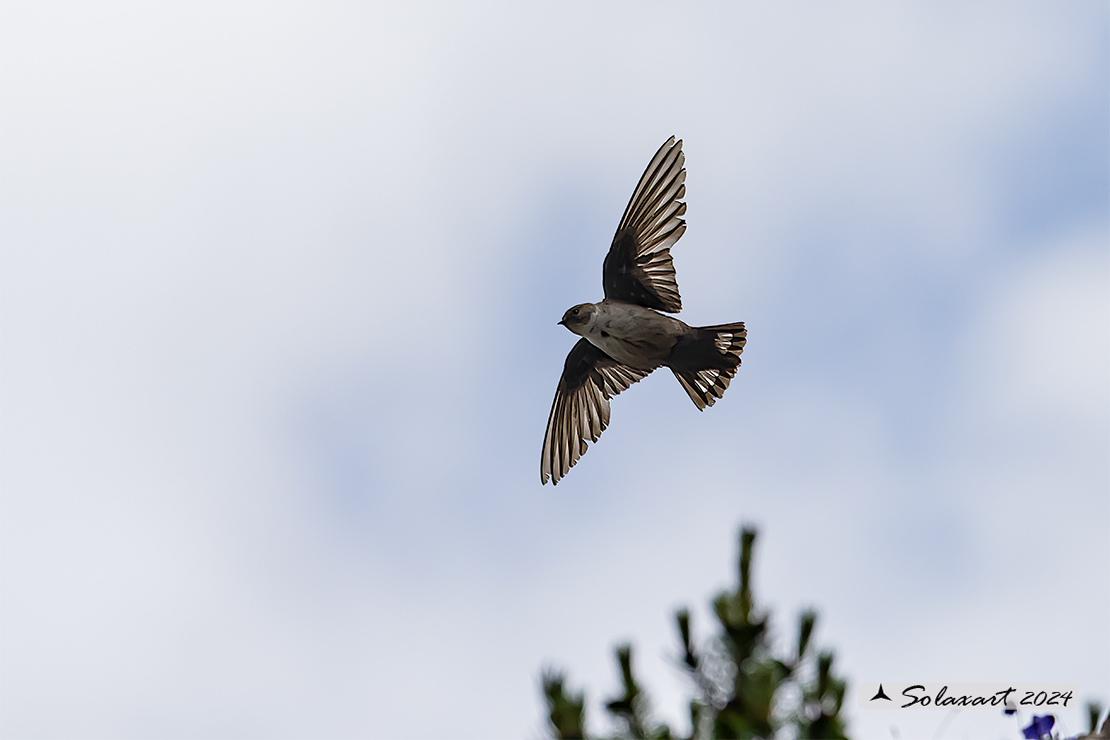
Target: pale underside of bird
x=625 y=337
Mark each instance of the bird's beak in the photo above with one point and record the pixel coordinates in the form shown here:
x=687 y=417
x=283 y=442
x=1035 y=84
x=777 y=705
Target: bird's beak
x=561 y=322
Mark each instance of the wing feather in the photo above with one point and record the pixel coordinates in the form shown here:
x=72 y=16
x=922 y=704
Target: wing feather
x=638 y=268
x=580 y=410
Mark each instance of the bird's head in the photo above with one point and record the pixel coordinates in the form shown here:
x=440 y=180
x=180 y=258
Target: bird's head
x=578 y=318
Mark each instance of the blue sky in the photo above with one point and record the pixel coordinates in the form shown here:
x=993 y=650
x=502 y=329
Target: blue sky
x=280 y=285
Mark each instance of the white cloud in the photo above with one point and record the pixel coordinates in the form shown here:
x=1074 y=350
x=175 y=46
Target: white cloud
x=1042 y=347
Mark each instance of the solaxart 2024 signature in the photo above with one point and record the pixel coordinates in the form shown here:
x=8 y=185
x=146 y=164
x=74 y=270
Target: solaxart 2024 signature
x=1010 y=697
x=965 y=696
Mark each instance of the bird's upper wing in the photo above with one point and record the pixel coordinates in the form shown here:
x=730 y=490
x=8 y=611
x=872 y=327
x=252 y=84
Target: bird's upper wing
x=580 y=411
x=638 y=268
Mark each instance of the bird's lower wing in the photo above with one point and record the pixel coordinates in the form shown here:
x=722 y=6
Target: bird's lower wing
x=580 y=411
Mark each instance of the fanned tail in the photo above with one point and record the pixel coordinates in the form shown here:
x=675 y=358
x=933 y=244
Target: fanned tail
x=706 y=361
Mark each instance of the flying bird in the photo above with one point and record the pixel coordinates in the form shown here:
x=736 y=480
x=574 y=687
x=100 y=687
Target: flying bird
x=625 y=337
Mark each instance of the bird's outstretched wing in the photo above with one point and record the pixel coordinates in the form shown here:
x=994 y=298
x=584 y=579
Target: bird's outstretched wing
x=638 y=268
x=580 y=411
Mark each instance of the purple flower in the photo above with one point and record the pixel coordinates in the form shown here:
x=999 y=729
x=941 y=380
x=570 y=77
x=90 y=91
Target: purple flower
x=1039 y=727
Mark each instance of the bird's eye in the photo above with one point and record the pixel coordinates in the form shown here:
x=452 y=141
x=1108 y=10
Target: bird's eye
x=575 y=312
